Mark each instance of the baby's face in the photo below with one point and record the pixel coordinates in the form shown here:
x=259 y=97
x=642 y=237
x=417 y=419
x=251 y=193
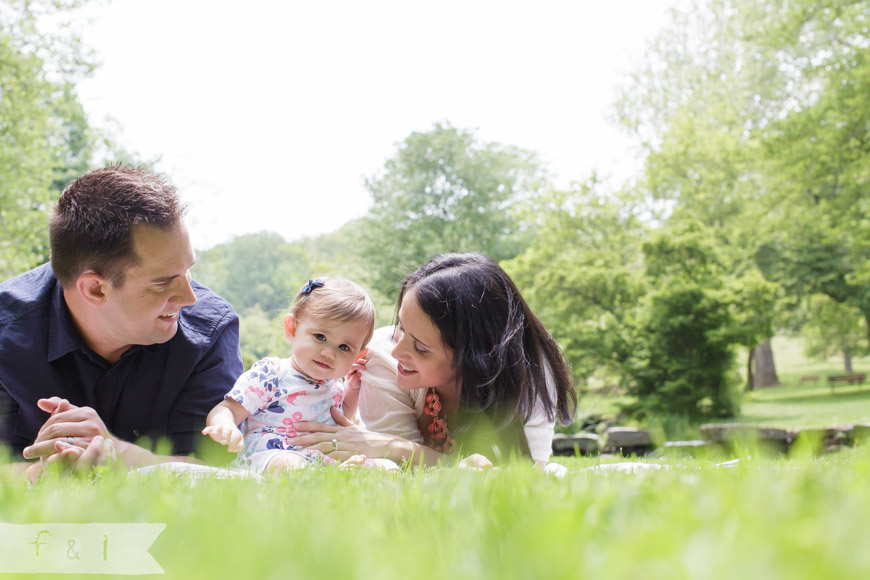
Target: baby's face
x=325 y=349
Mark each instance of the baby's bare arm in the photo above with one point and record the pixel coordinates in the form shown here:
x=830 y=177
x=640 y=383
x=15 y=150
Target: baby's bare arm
x=352 y=386
x=222 y=424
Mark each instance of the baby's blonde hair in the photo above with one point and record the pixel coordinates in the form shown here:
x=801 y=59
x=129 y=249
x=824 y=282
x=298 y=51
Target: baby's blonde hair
x=336 y=299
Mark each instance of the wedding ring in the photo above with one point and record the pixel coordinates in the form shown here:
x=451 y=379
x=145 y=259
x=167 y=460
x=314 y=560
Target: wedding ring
x=69 y=440
x=335 y=444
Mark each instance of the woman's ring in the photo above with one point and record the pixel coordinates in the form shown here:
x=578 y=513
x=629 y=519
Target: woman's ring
x=69 y=440
x=335 y=444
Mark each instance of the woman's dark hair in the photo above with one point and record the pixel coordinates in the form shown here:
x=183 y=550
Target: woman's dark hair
x=501 y=352
x=92 y=225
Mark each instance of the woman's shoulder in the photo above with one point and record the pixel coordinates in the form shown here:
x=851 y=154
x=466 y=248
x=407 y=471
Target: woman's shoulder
x=381 y=344
x=381 y=366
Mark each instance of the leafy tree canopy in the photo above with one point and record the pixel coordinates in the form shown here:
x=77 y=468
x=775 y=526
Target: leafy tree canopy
x=444 y=191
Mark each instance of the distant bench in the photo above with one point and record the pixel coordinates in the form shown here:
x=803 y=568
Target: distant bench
x=849 y=379
x=810 y=379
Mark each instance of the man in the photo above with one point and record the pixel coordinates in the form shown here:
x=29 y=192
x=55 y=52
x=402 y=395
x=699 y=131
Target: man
x=112 y=341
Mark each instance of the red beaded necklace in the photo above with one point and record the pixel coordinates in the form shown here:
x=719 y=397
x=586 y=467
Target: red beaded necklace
x=439 y=440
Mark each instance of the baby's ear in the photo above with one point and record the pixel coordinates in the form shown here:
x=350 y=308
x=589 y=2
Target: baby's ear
x=289 y=327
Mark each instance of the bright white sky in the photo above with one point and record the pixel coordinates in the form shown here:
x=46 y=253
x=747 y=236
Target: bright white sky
x=268 y=114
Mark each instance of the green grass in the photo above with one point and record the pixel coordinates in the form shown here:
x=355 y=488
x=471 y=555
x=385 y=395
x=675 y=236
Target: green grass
x=793 y=404
x=797 y=404
x=788 y=519
x=807 y=406
x=792 y=364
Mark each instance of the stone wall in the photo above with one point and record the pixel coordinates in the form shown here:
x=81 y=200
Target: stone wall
x=727 y=438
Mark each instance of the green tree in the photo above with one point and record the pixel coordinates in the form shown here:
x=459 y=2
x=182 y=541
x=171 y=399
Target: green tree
x=694 y=105
x=44 y=136
x=261 y=335
x=581 y=274
x=342 y=253
x=683 y=353
x=754 y=117
x=753 y=308
x=833 y=328
x=259 y=270
x=818 y=258
x=444 y=191
x=819 y=153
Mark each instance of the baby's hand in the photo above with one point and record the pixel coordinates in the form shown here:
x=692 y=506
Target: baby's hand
x=354 y=379
x=226 y=435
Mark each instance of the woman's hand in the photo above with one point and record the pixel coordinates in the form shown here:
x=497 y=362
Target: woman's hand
x=343 y=440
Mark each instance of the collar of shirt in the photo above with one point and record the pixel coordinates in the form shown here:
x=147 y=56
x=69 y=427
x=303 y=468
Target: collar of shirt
x=63 y=336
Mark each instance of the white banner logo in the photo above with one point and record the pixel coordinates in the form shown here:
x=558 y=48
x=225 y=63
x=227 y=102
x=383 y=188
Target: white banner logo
x=79 y=548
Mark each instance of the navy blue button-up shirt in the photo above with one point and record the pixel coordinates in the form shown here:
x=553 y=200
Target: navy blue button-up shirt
x=155 y=391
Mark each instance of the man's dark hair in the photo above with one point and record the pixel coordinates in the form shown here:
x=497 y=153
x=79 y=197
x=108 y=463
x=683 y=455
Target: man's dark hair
x=92 y=226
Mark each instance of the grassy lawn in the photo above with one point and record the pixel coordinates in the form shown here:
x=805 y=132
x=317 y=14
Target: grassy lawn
x=794 y=403
x=761 y=519
x=807 y=406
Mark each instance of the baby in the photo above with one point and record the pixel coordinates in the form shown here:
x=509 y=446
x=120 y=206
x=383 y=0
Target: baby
x=329 y=326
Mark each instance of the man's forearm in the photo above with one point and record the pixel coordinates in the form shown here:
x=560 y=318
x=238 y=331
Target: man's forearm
x=134 y=456
x=21 y=470
x=129 y=455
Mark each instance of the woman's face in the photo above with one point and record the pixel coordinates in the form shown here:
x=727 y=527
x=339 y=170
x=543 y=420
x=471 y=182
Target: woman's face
x=424 y=360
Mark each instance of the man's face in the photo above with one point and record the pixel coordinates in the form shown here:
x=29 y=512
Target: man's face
x=145 y=309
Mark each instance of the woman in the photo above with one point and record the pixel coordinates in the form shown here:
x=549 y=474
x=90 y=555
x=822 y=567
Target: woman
x=467 y=366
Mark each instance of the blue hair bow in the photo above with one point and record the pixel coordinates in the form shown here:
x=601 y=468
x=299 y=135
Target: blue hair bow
x=311 y=285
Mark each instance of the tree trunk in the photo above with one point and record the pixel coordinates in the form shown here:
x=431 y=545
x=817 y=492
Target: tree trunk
x=765 y=369
x=847 y=360
x=750 y=379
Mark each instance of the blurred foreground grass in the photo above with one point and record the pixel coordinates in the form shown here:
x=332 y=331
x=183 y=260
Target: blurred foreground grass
x=787 y=518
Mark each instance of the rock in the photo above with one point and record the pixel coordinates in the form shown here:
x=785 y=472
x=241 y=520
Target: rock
x=808 y=439
x=827 y=439
x=861 y=433
x=842 y=435
x=628 y=437
x=629 y=440
x=582 y=443
x=687 y=444
x=721 y=432
x=729 y=435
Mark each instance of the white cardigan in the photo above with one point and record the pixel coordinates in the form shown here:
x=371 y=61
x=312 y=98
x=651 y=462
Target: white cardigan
x=385 y=407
